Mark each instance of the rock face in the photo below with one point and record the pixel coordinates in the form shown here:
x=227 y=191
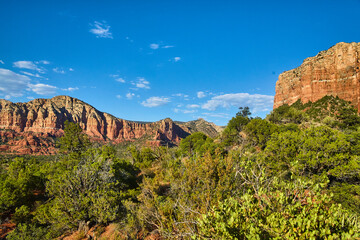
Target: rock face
x=331 y=72
x=32 y=127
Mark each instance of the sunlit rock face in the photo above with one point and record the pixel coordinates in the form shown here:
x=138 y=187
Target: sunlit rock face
x=331 y=72
x=32 y=127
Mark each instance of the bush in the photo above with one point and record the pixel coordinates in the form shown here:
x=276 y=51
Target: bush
x=291 y=213
x=231 y=134
x=31 y=232
x=196 y=143
x=22 y=214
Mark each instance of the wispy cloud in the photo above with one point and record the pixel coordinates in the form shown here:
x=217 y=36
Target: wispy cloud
x=192 y=106
x=101 y=29
x=176 y=59
x=180 y=95
x=118 y=96
x=31 y=74
x=217 y=115
x=2 y=62
x=71 y=69
x=154 y=46
x=117 y=78
x=256 y=102
x=200 y=94
x=129 y=39
x=189 y=111
x=121 y=80
x=70 y=89
x=155 y=101
x=130 y=95
x=28 y=65
x=43 y=89
x=59 y=70
x=12 y=84
x=186 y=111
x=141 y=83
x=45 y=62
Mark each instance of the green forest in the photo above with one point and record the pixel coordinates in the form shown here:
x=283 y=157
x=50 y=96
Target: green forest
x=293 y=175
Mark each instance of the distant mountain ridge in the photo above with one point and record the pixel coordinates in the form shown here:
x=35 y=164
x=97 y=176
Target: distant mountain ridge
x=31 y=127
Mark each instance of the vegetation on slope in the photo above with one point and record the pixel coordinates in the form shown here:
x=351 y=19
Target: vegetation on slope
x=293 y=175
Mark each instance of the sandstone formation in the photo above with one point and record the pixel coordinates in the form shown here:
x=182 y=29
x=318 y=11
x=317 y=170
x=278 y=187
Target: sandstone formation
x=331 y=72
x=32 y=127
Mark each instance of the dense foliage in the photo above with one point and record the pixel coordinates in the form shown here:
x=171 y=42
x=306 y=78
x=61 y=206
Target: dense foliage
x=293 y=175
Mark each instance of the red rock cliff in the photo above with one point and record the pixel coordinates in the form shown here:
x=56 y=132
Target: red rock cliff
x=32 y=127
x=331 y=72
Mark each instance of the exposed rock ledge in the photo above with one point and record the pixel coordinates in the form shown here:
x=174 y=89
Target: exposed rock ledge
x=331 y=72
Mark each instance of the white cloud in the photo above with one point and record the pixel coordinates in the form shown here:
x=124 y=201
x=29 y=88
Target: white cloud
x=201 y=94
x=42 y=89
x=31 y=74
x=71 y=69
x=185 y=96
x=167 y=46
x=121 y=80
x=155 y=101
x=118 y=96
x=27 y=65
x=186 y=111
x=129 y=39
x=7 y=97
x=192 y=106
x=176 y=59
x=70 y=89
x=12 y=84
x=30 y=98
x=59 y=70
x=101 y=29
x=2 y=62
x=142 y=83
x=130 y=95
x=154 y=46
x=217 y=115
x=117 y=78
x=45 y=62
x=256 y=102
x=189 y=111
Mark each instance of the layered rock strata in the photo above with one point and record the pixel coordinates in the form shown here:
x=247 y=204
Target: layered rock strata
x=331 y=72
x=32 y=127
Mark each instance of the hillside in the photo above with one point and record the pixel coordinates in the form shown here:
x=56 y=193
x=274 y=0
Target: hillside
x=32 y=127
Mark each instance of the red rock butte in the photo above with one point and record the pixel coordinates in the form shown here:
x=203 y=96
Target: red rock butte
x=331 y=72
x=31 y=128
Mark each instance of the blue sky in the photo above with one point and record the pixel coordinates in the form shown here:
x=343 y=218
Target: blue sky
x=148 y=60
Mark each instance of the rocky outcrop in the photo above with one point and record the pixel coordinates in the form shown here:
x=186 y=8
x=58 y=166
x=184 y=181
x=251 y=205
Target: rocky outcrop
x=32 y=127
x=200 y=125
x=331 y=72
